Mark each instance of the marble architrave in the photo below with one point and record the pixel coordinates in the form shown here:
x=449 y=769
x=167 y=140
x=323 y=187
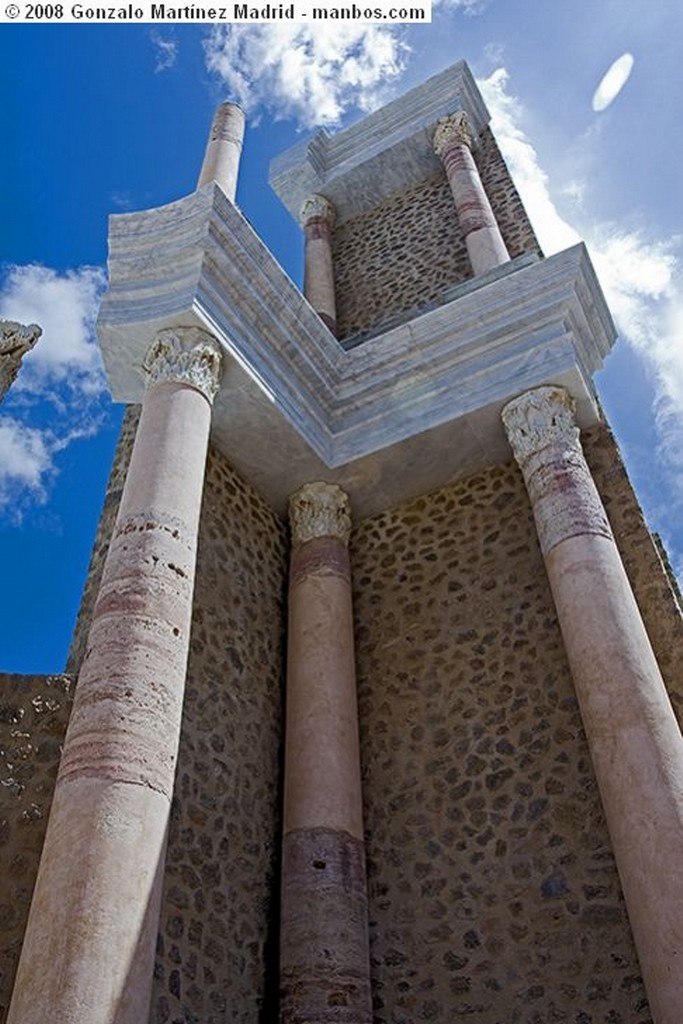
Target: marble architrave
x=406 y=411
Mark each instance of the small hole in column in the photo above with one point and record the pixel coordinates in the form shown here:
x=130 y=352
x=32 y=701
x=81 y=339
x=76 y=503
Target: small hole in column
x=319 y=864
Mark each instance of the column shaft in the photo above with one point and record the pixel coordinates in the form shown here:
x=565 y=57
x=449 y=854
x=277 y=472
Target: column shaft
x=88 y=954
x=635 y=742
x=317 y=216
x=223 y=150
x=485 y=245
x=324 y=927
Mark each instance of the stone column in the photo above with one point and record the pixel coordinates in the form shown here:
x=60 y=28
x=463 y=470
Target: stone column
x=635 y=742
x=453 y=144
x=88 y=954
x=223 y=150
x=324 y=965
x=15 y=341
x=317 y=217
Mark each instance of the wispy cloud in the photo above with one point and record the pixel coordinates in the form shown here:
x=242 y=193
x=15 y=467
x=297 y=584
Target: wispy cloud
x=613 y=82
x=638 y=276
x=166 y=51
x=59 y=396
x=310 y=75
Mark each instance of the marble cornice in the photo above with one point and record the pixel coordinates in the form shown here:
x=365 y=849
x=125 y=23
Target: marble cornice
x=290 y=387
x=385 y=152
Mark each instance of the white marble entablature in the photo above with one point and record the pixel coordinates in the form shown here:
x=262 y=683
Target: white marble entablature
x=184 y=355
x=319 y=510
x=402 y=413
x=382 y=154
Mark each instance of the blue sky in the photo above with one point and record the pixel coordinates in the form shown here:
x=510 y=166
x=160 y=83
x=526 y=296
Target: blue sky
x=104 y=119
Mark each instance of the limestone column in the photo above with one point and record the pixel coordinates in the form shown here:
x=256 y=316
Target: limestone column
x=324 y=965
x=223 y=150
x=317 y=217
x=88 y=954
x=635 y=742
x=15 y=341
x=453 y=145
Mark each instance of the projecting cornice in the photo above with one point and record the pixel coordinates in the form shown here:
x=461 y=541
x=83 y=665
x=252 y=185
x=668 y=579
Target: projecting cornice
x=401 y=413
x=384 y=153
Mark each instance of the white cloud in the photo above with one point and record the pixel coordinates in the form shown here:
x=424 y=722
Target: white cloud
x=25 y=461
x=59 y=395
x=166 y=51
x=310 y=75
x=638 y=277
x=613 y=82
x=65 y=306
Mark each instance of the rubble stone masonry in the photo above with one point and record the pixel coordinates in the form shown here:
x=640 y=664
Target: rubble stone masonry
x=402 y=255
x=492 y=885
x=34 y=711
x=217 y=953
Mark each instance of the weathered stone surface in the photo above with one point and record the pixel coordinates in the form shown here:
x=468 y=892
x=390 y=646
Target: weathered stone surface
x=324 y=955
x=492 y=886
x=15 y=341
x=217 y=949
x=34 y=711
x=405 y=253
x=633 y=737
x=105 y=528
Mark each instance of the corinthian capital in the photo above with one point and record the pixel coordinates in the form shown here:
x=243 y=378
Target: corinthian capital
x=453 y=130
x=15 y=341
x=539 y=418
x=319 y=510
x=184 y=355
x=317 y=206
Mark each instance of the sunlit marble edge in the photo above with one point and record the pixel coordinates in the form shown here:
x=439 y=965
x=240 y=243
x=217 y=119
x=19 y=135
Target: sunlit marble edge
x=385 y=152
x=294 y=405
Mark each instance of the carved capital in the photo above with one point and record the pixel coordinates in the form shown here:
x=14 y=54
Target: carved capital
x=319 y=510
x=453 y=130
x=538 y=418
x=317 y=206
x=15 y=341
x=184 y=355
x=544 y=437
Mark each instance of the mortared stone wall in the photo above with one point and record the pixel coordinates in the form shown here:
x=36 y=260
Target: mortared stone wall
x=493 y=889
x=405 y=253
x=34 y=711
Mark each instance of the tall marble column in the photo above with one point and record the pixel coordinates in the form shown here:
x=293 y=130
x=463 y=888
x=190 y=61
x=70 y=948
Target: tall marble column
x=324 y=966
x=317 y=217
x=15 y=341
x=224 y=149
x=88 y=954
x=453 y=144
x=635 y=742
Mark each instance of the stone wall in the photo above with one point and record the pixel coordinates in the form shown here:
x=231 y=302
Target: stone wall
x=34 y=711
x=217 y=952
x=493 y=890
x=405 y=253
